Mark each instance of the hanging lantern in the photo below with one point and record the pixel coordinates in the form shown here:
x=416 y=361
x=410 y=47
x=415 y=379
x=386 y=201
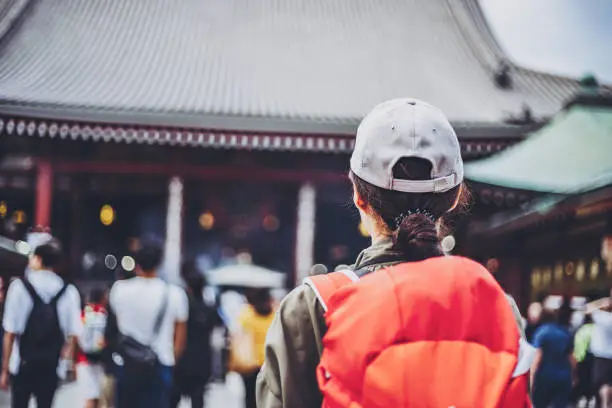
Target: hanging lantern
x=107 y=215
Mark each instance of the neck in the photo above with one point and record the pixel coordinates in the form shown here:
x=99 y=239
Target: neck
x=38 y=269
x=146 y=274
x=378 y=237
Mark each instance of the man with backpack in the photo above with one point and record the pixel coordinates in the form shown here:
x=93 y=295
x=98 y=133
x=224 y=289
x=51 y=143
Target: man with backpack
x=146 y=331
x=405 y=326
x=41 y=323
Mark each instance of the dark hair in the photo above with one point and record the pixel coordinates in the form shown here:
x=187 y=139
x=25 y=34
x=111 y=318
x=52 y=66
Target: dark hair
x=193 y=278
x=416 y=236
x=50 y=253
x=548 y=316
x=149 y=254
x=97 y=294
x=565 y=312
x=261 y=300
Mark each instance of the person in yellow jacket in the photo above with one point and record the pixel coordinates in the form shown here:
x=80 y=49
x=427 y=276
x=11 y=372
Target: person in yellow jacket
x=254 y=320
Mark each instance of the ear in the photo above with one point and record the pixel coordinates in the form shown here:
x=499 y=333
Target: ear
x=359 y=202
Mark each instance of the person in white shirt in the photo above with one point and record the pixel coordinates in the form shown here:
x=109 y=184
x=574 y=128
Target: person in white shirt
x=39 y=348
x=601 y=348
x=134 y=305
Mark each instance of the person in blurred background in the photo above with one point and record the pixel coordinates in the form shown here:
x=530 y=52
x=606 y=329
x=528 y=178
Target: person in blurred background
x=42 y=319
x=147 y=328
x=534 y=314
x=583 y=388
x=554 y=365
x=90 y=369
x=193 y=369
x=601 y=347
x=254 y=320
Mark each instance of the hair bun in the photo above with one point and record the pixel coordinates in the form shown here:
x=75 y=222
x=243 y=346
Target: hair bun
x=417 y=237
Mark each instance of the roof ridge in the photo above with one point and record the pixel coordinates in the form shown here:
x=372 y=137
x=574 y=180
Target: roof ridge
x=480 y=20
x=11 y=14
x=473 y=27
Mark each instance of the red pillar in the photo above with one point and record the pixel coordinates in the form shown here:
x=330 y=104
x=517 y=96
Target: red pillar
x=44 y=194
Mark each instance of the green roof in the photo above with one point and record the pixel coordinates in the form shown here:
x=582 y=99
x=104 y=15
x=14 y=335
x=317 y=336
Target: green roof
x=571 y=154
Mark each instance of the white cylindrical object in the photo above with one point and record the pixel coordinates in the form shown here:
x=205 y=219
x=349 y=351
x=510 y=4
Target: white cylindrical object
x=306 y=212
x=174 y=226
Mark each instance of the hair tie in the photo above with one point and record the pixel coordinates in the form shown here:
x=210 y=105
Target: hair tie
x=400 y=218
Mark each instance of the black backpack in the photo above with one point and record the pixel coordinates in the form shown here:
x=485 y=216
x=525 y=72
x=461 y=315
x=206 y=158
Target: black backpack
x=41 y=343
x=196 y=361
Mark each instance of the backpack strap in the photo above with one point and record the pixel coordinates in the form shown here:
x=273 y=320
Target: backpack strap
x=31 y=291
x=526 y=355
x=324 y=286
x=59 y=294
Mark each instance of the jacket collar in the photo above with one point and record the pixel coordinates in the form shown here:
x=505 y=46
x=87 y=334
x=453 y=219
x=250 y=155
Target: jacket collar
x=376 y=256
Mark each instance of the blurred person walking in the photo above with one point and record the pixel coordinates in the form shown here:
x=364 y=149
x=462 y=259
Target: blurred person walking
x=193 y=369
x=406 y=325
x=146 y=331
x=91 y=374
x=601 y=348
x=583 y=388
x=554 y=365
x=254 y=322
x=41 y=322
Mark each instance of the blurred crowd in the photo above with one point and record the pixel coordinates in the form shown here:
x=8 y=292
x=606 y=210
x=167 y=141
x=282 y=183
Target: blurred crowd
x=573 y=364
x=140 y=343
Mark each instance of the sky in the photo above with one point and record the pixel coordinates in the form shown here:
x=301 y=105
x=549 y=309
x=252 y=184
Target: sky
x=570 y=37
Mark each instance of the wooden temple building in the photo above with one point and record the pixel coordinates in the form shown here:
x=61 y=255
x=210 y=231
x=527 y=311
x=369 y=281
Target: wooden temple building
x=227 y=125
x=559 y=242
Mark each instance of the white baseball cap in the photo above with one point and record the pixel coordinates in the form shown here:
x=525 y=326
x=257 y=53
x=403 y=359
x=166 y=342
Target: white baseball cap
x=402 y=128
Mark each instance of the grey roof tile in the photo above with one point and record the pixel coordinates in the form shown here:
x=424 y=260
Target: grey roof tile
x=250 y=63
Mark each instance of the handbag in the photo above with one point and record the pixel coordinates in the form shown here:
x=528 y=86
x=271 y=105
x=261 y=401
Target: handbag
x=138 y=358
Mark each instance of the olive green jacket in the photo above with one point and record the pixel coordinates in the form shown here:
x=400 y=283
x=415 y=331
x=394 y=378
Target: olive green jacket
x=294 y=343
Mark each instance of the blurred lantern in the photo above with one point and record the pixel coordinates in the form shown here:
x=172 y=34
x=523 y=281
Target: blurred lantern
x=606 y=252
x=89 y=260
x=128 y=263
x=594 y=270
x=270 y=223
x=107 y=215
x=546 y=276
x=3 y=209
x=448 y=243
x=110 y=261
x=580 y=271
x=558 y=277
x=493 y=266
x=19 y=217
x=363 y=231
x=570 y=268
x=207 y=220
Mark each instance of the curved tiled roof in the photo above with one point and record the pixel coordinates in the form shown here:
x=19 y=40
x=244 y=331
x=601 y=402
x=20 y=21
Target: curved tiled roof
x=312 y=66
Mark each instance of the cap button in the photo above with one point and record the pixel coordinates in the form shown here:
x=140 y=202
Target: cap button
x=411 y=103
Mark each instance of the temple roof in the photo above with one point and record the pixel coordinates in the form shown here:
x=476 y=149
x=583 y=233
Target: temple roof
x=297 y=66
x=569 y=155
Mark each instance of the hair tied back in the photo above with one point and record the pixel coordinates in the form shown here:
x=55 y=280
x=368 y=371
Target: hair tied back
x=400 y=218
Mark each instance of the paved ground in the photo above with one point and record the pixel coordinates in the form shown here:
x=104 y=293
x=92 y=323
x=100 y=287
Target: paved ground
x=228 y=395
